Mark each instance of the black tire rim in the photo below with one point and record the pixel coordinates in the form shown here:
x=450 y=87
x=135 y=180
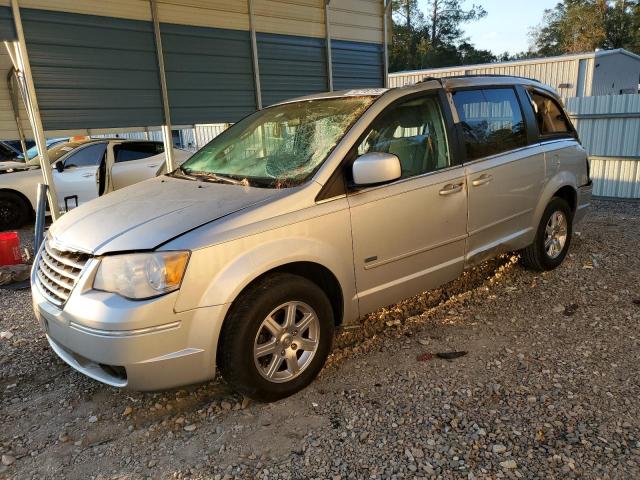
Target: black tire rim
x=9 y=213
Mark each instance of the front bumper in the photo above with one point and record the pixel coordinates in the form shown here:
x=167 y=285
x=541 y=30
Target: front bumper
x=141 y=345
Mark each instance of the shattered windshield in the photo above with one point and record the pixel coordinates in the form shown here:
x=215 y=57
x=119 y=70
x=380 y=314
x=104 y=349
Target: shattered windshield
x=277 y=147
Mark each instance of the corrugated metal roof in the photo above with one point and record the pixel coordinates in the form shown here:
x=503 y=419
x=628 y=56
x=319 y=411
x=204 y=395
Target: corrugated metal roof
x=529 y=61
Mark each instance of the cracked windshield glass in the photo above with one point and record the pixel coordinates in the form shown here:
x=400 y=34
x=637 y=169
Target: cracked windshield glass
x=277 y=147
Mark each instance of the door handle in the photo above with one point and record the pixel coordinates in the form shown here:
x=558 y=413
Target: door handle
x=482 y=180
x=87 y=175
x=451 y=188
x=152 y=165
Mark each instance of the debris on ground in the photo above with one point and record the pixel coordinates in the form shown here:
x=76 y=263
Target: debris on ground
x=424 y=357
x=450 y=355
x=540 y=396
x=14 y=273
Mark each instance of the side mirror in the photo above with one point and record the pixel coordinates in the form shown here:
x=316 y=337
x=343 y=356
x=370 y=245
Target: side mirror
x=60 y=167
x=374 y=167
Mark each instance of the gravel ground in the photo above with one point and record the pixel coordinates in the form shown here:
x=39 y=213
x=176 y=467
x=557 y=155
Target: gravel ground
x=549 y=388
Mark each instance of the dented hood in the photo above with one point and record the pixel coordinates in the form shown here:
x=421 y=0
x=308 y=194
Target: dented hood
x=146 y=215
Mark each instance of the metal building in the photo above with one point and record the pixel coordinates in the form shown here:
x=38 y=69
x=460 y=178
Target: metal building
x=97 y=66
x=607 y=72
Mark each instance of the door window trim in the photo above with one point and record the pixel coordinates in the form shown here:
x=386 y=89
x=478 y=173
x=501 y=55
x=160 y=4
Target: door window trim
x=337 y=185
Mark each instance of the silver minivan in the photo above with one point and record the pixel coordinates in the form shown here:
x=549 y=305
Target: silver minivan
x=302 y=218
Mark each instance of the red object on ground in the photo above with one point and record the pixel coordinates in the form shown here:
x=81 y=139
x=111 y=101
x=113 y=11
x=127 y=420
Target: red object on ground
x=10 y=253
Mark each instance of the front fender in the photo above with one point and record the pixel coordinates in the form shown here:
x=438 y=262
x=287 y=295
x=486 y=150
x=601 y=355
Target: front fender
x=217 y=274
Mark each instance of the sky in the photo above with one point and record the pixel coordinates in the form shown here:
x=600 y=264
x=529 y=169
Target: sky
x=506 y=26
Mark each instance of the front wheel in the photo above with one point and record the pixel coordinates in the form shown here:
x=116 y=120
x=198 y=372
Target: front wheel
x=552 y=239
x=276 y=338
x=14 y=211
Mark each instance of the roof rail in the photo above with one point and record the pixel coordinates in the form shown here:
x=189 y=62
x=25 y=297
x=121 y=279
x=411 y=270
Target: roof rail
x=468 y=75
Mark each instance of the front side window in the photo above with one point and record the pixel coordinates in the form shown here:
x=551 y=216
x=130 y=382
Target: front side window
x=87 y=156
x=278 y=147
x=415 y=132
x=550 y=117
x=491 y=121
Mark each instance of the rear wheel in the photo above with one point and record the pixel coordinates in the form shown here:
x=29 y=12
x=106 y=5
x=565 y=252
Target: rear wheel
x=14 y=211
x=276 y=337
x=552 y=237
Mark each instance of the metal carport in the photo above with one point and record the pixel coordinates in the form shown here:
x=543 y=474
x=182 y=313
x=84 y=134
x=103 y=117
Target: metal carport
x=103 y=66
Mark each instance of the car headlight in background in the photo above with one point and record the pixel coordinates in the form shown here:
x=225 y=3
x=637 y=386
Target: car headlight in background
x=141 y=275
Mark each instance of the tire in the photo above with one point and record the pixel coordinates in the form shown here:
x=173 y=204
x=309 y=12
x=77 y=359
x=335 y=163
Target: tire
x=537 y=256
x=14 y=211
x=249 y=358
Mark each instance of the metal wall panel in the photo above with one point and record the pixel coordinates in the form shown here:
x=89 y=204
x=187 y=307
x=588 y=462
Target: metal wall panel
x=357 y=20
x=92 y=71
x=562 y=74
x=205 y=13
x=8 y=129
x=7 y=31
x=357 y=64
x=132 y=9
x=615 y=177
x=205 y=133
x=290 y=17
x=609 y=128
x=609 y=125
x=291 y=66
x=209 y=74
x=616 y=73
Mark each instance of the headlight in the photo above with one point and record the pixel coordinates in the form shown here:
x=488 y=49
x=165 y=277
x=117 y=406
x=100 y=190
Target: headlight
x=141 y=275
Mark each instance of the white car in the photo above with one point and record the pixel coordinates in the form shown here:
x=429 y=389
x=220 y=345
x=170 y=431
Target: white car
x=83 y=170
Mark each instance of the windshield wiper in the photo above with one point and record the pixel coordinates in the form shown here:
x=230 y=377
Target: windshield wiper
x=215 y=177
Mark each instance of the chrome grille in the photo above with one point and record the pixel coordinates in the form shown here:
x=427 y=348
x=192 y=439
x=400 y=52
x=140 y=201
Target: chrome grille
x=58 y=272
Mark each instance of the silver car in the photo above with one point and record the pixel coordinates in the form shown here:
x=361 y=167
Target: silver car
x=302 y=218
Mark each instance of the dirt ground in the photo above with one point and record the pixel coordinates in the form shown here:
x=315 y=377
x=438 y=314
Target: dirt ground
x=549 y=388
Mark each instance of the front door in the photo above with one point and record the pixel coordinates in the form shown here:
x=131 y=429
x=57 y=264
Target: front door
x=79 y=181
x=504 y=174
x=409 y=236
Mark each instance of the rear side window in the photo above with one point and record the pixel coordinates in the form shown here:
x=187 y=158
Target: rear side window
x=128 y=151
x=87 y=156
x=550 y=117
x=491 y=121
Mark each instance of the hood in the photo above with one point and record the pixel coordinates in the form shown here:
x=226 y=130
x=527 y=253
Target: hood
x=146 y=215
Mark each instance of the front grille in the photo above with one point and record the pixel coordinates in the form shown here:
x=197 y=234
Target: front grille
x=58 y=271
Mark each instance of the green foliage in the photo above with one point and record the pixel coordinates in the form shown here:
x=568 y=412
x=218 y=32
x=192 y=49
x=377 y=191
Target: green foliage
x=574 y=26
x=436 y=40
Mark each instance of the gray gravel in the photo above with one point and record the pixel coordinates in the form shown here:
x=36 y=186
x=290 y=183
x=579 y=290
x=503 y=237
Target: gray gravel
x=549 y=388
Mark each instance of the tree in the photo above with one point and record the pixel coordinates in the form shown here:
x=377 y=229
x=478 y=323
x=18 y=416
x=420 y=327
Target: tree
x=408 y=23
x=446 y=19
x=574 y=26
x=436 y=41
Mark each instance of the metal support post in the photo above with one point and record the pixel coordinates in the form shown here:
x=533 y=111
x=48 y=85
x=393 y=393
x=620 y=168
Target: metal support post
x=166 y=128
x=328 y=36
x=254 y=56
x=34 y=112
x=387 y=9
